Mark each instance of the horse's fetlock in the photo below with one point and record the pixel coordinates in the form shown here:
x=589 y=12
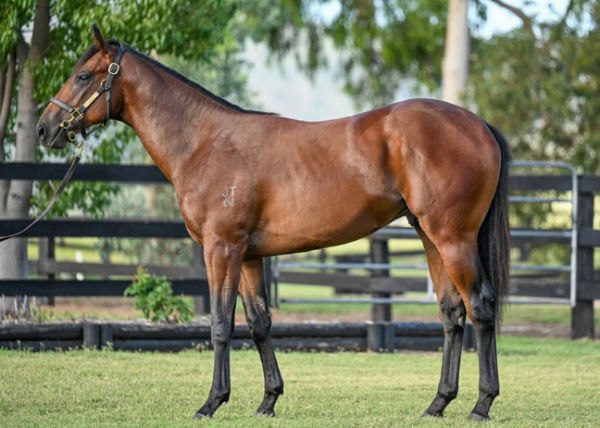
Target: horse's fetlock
x=490 y=392
x=220 y=395
x=275 y=390
x=447 y=392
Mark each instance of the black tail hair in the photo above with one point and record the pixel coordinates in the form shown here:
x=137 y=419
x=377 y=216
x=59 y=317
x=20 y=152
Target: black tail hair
x=494 y=235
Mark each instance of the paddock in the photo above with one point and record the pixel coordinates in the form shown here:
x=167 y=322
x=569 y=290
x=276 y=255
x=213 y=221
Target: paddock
x=545 y=382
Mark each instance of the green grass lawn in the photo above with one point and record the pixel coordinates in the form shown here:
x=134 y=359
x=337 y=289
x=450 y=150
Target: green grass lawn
x=543 y=383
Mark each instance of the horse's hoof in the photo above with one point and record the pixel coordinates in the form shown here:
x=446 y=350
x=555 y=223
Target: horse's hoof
x=199 y=415
x=265 y=413
x=431 y=415
x=477 y=417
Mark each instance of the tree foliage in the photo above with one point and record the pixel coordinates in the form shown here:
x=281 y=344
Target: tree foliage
x=541 y=87
x=381 y=43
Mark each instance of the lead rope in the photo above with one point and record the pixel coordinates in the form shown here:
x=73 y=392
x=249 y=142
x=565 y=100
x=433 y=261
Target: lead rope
x=57 y=194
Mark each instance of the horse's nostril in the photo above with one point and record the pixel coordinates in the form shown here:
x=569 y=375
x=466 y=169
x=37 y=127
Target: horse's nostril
x=42 y=131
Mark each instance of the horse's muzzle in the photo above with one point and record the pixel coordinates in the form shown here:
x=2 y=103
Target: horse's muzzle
x=54 y=140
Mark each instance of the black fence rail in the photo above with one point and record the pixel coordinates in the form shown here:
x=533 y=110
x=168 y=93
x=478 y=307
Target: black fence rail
x=323 y=337
x=531 y=284
x=189 y=280
x=192 y=279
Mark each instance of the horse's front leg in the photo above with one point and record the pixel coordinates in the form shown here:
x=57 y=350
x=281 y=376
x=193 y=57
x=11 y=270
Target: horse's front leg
x=223 y=264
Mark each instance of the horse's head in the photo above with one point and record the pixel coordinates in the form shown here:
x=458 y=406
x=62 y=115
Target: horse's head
x=77 y=106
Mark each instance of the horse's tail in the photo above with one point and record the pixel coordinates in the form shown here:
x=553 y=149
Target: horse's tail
x=494 y=238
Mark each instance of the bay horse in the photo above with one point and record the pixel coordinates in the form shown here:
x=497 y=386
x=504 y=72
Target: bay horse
x=252 y=185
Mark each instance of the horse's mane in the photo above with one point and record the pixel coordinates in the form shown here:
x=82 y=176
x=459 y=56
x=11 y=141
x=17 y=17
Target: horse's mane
x=94 y=49
x=194 y=85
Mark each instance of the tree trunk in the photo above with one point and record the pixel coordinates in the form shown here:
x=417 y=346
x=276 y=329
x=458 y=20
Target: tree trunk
x=17 y=195
x=8 y=81
x=455 y=66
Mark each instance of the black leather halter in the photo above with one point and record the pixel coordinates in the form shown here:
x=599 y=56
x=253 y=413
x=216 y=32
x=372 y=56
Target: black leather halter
x=78 y=112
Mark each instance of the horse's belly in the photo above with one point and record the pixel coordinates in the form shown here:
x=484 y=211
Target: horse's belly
x=312 y=224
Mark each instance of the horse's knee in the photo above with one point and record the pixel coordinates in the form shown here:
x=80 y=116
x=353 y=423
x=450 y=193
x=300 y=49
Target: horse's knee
x=221 y=331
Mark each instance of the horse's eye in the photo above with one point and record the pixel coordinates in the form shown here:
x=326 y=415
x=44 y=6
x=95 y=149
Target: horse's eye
x=84 y=75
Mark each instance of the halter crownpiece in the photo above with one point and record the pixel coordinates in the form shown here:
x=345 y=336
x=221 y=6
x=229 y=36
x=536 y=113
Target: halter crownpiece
x=78 y=112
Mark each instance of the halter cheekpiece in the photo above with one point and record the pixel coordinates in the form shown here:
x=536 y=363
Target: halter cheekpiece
x=78 y=112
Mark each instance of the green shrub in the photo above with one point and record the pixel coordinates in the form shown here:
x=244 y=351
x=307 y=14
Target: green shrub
x=154 y=297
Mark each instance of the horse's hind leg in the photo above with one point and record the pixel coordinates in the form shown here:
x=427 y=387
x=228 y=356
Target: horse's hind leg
x=253 y=292
x=452 y=315
x=483 y=316
x=223 y=263
x=462 y=262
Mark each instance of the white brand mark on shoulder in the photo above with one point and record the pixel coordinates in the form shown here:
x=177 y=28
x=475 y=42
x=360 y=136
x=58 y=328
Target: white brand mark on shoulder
x=228 y=196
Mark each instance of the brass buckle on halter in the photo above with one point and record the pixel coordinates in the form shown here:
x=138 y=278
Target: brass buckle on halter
x=72 y=136
x=114 y=68
x=67 y=124
x=76 y=115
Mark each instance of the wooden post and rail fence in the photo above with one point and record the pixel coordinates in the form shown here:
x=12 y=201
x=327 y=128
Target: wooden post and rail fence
x=191 y=280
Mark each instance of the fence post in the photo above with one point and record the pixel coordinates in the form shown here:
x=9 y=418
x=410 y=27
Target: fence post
x=106 y=336
x=91 y=336
x=381 y=337
x=45 y=255
x=582 y=314
x=380 y=254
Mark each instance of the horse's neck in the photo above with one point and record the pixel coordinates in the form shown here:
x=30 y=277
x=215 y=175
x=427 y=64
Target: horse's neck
x=172 y=119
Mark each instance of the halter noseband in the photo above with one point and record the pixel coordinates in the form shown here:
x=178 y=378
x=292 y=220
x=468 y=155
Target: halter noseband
x=78 y=112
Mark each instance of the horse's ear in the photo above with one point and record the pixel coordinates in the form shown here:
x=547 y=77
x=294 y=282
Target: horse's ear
x=98 y=39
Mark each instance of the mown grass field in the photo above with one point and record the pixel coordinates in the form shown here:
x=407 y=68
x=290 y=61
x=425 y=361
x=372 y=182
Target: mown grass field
x=543 y=383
